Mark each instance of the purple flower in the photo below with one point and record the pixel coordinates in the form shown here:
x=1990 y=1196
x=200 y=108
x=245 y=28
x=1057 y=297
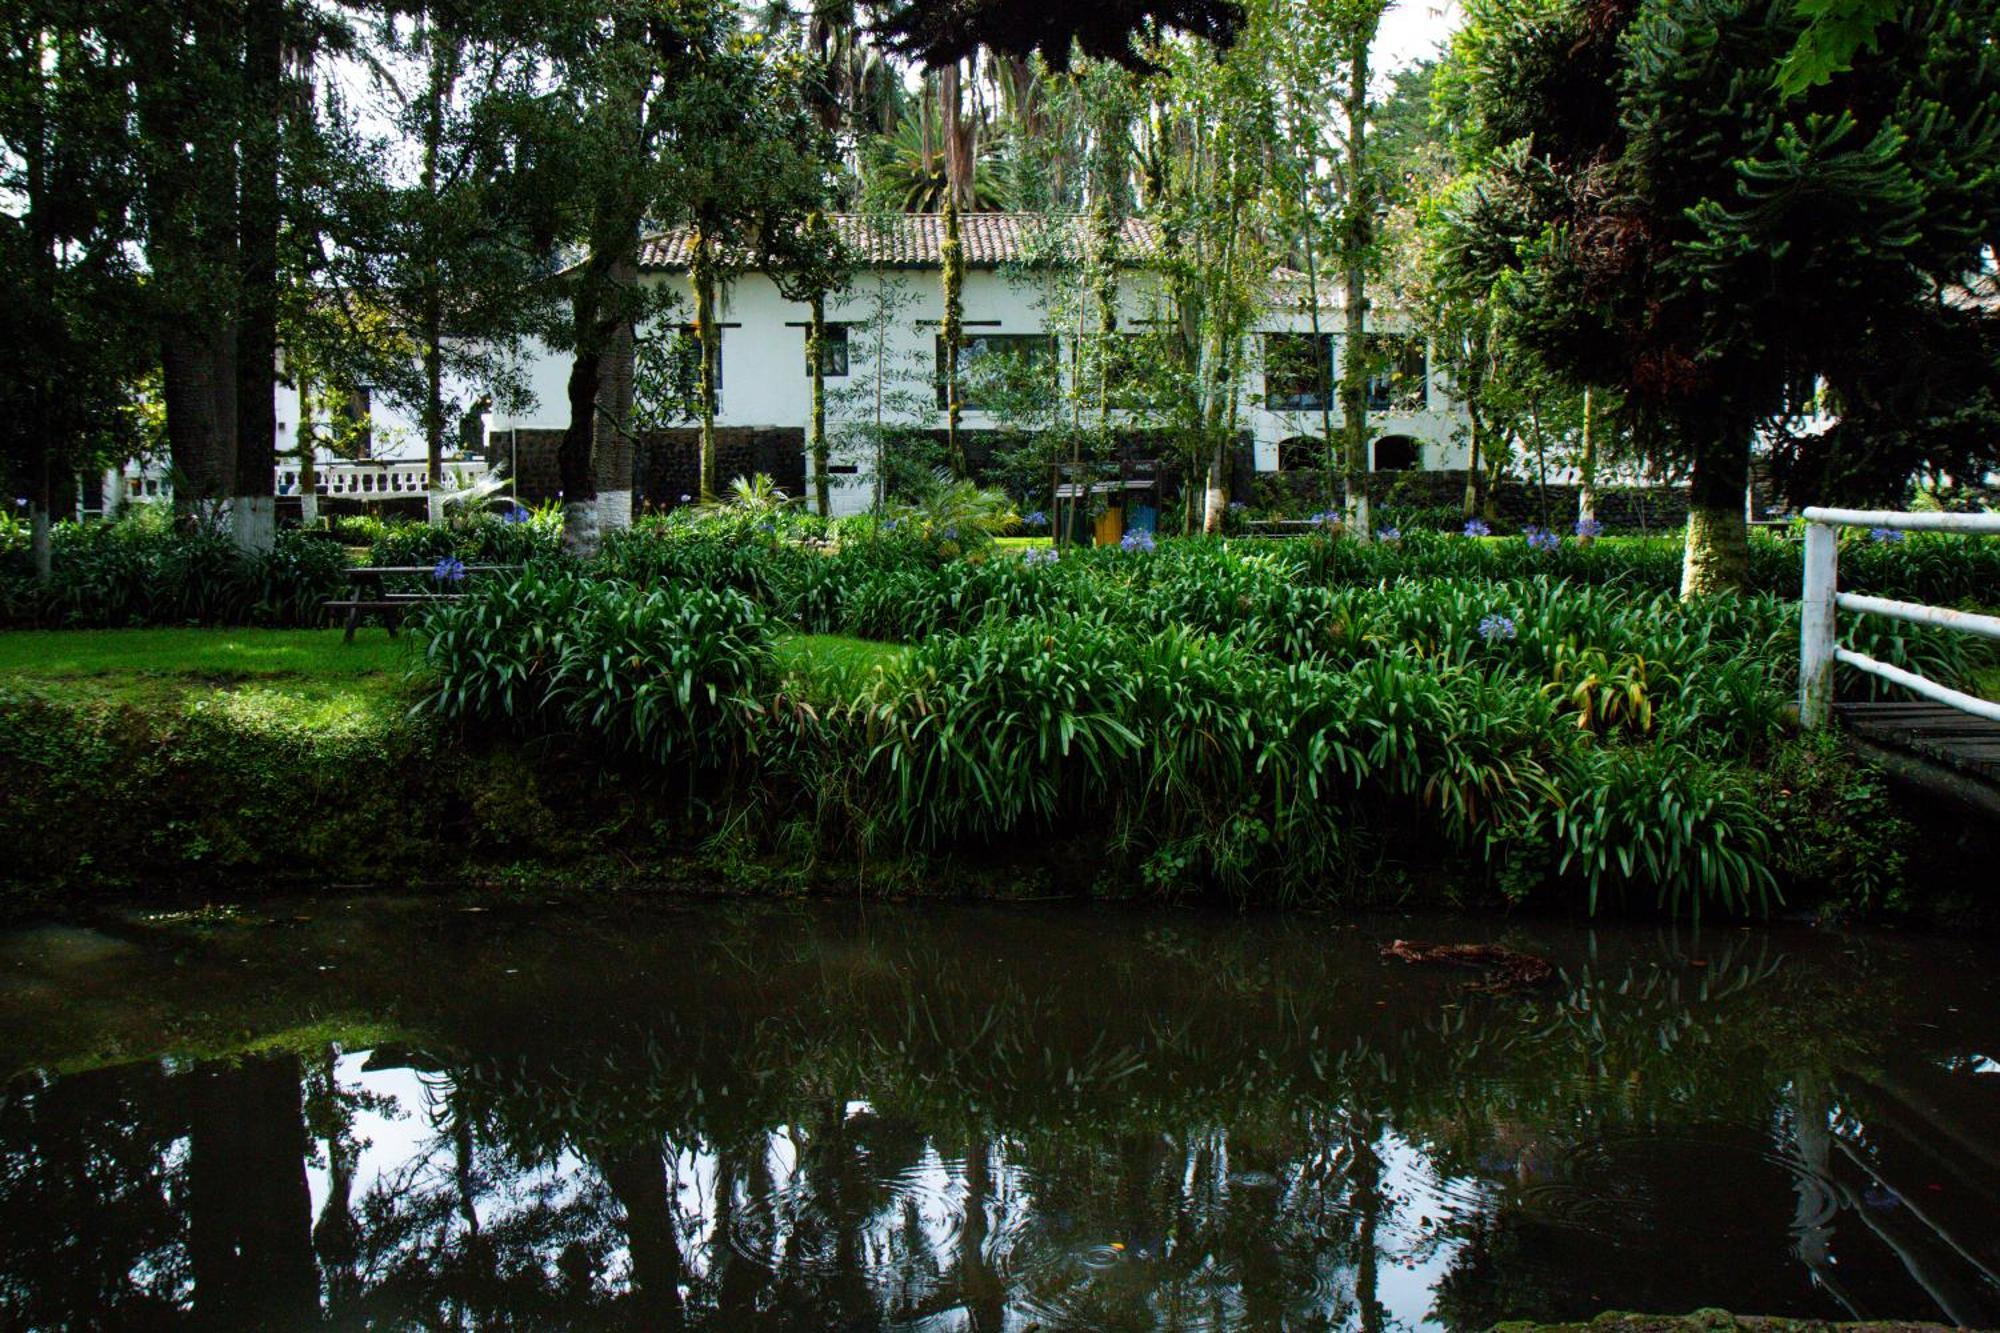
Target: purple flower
x=686 y=498
x=449 y=570
x=515 y=515
x=1541 y=539
x=1389 y=535
x=1589 y=527
x=1237 y=506
x=1040 y=555
x=1496 y=628
x=1138 y=539
x=1886 y=534
x=1037 y=519
x=1476 y=527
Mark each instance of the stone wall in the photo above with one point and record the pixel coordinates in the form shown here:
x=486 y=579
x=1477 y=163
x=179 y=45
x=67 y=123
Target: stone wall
x=668 y=464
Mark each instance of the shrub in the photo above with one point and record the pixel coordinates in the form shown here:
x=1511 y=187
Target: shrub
x=139 y=573
x=667 y=674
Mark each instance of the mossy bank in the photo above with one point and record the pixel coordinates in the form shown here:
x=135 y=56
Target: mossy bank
x=176 y=765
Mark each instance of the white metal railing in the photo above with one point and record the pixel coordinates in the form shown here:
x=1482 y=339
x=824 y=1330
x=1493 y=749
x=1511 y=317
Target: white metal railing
x=1819 y=648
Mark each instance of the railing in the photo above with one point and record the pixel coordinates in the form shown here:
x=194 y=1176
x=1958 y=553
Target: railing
x=365 y=479
x=1819 y=648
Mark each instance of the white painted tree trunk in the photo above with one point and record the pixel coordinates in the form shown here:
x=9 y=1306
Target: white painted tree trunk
x=434 y=507
x=309 y=507
x=580 y=533
x=253 y=520
x=614 y=510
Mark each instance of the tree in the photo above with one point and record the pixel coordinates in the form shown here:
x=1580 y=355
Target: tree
x=1354 y=23
x=1721 y=251
x=72 y=349
x=809 y=264
x=941 y=32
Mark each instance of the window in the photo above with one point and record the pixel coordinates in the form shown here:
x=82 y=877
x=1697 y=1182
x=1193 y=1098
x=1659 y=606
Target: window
x=1397 y=453
x=687 y=350
x=1010 y=353
x=1396 y=378
x=832 y=351
x=1301 y=452
x=1298 y=372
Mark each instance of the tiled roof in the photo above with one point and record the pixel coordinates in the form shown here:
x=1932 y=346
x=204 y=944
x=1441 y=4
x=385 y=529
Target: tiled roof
x=916 y=240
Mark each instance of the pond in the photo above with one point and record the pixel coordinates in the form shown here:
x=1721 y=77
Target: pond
x=424 y=1115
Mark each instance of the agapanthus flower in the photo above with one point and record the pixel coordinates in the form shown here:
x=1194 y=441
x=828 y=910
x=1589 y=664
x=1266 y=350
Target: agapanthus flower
x=1496 y=628
x=1138 y=539
x=1886 y=534
x=1476 y=527
x=1589 y=527
x=1037 y=519
x=1541 y=539
x=1040 y=555
x=515 y=514
x=1237 y=506
x=449 y=570
x=686 y=498
x=1388 y=535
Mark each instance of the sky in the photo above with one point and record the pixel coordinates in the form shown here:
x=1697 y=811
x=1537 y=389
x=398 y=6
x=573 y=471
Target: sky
x=1414 y=30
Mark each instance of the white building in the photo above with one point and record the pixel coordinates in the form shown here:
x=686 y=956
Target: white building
x=887 y=319
x=765 y=386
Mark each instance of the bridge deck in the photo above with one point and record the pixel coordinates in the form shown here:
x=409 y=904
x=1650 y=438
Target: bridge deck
x=1945 y=736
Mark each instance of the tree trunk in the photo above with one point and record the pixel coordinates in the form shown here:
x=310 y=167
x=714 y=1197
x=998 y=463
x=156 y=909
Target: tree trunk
x=437 y=87
x=1718 y=539
x=579 y=478
x=198 y=386
x=959 y=149
x=615 y=455
x=815 y=350
x=1215 y=496
x=1356 y=235
x=702 y=273
x=254 y=510
x=951 y=330
x=1472 y=473
x=41 y=541
x=1586 y=492
x=307 y=437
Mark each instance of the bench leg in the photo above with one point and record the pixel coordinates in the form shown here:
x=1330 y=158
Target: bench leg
x=392 y=619
x=353 y=620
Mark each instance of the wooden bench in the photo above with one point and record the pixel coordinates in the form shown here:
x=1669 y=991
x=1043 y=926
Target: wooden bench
x=393 y=606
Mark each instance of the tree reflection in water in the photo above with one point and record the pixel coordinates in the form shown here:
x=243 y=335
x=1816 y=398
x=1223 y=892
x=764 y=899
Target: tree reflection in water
x=998 y=1121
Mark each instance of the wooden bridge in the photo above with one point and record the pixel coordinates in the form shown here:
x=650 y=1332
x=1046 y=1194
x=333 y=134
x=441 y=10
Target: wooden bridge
x=1946 y=740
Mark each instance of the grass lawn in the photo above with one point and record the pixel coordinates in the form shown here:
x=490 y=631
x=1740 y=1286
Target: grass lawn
x=202 y=654
x=1022 y=543
x=311 y=673
x=828 y=666
x=299 y=681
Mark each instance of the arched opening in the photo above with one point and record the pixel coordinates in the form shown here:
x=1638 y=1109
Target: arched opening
x=1397 y=453
x=1301 y=451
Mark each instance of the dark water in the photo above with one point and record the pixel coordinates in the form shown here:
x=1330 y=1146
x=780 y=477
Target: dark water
x=426 y=1117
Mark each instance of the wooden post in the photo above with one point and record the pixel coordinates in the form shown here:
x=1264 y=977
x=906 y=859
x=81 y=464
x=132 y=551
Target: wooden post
x=1816 y=626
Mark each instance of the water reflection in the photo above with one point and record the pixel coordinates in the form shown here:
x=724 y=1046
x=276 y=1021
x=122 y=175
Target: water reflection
x=982 y=1121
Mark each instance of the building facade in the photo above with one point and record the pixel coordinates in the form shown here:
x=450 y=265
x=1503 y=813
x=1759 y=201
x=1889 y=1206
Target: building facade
x=882 y=354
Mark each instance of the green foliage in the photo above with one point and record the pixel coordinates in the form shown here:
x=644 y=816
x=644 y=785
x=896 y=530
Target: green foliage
x=478 y=539
x=1834 y=825
x=667 y=674
x=142 y=572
